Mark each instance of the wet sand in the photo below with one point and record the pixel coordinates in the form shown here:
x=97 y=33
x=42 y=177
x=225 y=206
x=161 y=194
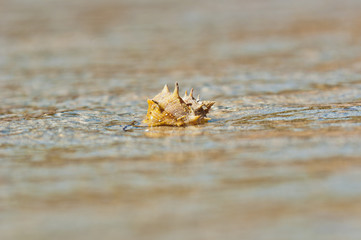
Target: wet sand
x=280 y=159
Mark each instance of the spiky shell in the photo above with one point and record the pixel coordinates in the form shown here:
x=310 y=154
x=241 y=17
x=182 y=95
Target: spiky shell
x=169 y=109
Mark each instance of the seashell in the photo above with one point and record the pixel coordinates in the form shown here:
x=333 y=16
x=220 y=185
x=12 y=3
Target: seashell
x=169 y=109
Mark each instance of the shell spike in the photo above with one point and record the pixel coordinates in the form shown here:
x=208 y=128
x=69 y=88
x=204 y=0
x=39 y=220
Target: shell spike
x=191 y=93
x=176 y=89
x=194 y=119
x=150 y=101
x=185 y=95
x=209 y=104
x=165 y=89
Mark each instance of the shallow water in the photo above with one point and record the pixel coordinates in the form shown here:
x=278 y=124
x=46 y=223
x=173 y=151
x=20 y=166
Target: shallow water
x=280 y=159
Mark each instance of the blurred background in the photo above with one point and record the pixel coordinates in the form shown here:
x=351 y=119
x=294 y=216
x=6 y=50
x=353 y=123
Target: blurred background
x=280 y=158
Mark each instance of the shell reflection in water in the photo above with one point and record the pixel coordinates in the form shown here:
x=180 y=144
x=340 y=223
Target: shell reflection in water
x=169 y=109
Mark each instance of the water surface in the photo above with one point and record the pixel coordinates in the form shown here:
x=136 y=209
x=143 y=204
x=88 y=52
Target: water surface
x=280 y=158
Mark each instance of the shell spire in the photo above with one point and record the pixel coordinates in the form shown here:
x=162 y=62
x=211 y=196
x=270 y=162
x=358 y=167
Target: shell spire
x=191 y=93
x=176 y=90
x=185 y=94
x=169 y=109
x=165 y=89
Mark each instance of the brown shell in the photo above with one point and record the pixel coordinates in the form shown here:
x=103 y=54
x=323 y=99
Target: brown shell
x=169 y=109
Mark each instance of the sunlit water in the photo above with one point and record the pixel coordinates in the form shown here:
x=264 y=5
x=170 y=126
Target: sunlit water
x=280 y=159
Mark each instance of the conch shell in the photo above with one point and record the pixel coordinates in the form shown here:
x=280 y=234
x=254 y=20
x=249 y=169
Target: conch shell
x=169 y=109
